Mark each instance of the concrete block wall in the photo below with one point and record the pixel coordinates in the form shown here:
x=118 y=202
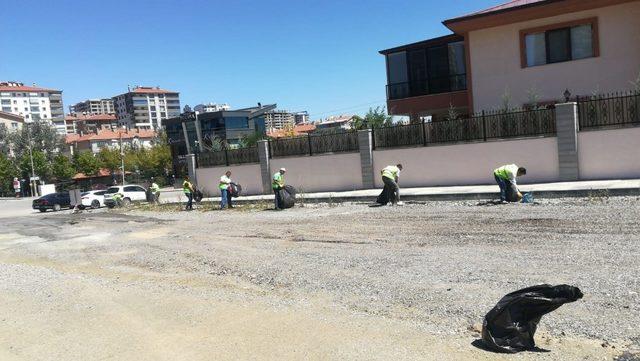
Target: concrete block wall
x=570 y=156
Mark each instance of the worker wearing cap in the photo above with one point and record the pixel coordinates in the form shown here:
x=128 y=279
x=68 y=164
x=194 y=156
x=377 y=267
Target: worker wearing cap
x=506 y=178
x=277 y=184
x=390 y=175
x=154 y=189
x=16 y=187
x=225 y=183
x=188 y=190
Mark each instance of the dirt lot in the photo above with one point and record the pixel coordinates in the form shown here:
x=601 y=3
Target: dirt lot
x=316 y=283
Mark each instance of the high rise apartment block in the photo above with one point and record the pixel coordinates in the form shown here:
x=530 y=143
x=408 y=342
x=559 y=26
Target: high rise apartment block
x=93 y=106
x=33 y=103
x=146 y=107
x=211 y=107
x=279 y=119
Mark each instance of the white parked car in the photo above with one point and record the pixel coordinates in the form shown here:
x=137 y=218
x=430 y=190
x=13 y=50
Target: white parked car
x=93 y=199
x=130 y=193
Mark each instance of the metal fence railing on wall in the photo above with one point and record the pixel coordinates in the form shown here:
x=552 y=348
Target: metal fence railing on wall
x=227 y=157
x=313 y=144
x=480 y=127
x=609 y=110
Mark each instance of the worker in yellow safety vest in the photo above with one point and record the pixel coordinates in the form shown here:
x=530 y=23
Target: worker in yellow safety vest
x=506 y=176
x=390 y=176
x=277 y=184
x=225 y=183
x=154 y=189
x=188 y=190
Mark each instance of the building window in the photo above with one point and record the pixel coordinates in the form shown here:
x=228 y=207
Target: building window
x=427 y=70
x=6 y=109
x=559 y=43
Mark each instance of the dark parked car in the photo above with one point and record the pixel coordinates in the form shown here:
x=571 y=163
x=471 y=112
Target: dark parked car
x=55 y=201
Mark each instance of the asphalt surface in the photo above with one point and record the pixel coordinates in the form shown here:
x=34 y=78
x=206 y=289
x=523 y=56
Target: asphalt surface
x=315 y=282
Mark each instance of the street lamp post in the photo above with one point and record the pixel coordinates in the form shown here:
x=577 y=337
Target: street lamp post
x=33 y=172
x=121 y=158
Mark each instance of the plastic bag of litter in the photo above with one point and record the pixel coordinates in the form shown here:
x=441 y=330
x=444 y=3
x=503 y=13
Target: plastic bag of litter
x=234 y=190
x=288 y=197
x=511 y=325
x=383 y=198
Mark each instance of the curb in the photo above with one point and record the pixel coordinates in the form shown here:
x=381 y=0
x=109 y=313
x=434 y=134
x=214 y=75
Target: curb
x=550 y=194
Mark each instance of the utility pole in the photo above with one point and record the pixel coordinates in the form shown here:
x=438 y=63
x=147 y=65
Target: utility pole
x=33 y=173
x=121 y=158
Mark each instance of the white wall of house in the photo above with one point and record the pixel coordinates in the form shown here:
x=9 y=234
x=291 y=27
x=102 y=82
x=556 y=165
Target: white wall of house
x=495 y=60
x=609 y=154
x=247 y=175
x=466 y=164
x=332 y=172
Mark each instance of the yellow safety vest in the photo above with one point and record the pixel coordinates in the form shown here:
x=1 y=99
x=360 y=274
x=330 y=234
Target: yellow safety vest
x=507 y=172
x=186 y=187
x=391 y=172
x=278 y=181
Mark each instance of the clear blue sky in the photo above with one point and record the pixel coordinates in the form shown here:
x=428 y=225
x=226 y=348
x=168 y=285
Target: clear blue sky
x=321 y=56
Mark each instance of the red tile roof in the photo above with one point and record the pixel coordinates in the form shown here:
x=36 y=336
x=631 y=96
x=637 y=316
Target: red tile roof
x=6 y=115
x=511 y=5
x=91 y=117
x=152 y=90
x=103 y=172
x=110 y=135
x=297 y=130
x=4 y=86
x=505 y=6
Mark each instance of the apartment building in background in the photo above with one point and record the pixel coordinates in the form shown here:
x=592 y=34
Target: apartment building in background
x=146 y=107
x=279 y=119
x=302 y=117
x=11 y=121
x=33 y=103
x=211 y=107
x=523 y=52
x=90 y=123
x=93 y=106
x=99 y=139
x=335 y=122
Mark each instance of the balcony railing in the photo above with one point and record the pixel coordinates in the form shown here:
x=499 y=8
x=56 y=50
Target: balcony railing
x=436 y=85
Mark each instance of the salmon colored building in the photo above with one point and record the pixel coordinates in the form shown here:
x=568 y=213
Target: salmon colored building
x=522 y=52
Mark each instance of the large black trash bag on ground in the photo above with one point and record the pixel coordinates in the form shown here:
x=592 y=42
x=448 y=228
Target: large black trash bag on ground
x=383 y=198
x=511 y=325
x=235 y=189
x=511 y=192
x=288 y=197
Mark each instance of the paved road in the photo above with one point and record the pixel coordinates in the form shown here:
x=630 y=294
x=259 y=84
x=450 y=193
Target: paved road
x=11 y=208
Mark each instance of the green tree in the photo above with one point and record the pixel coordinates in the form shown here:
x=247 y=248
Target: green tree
x=41 y=165
x=87 y=163
x=110 y=158
x=378 y=118
x=358 y=122
x=8 y=171
x=251 y=140
x=5 y=140
x=41 y=136
x=62 y=168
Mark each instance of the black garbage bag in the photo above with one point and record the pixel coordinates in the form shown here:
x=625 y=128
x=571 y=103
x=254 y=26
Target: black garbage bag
x=235 y=189
x=197 y=196
x=288 y=197
x=511 y=325
x=383 y=198
x=511 y=192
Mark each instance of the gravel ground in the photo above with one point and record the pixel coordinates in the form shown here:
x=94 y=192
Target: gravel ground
x=429 y=271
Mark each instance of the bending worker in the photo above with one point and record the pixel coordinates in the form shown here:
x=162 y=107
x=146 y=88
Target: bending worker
x=187 y=188
x=506 y=178
x=225 y=183
x=390 y=176
x=155 y=191
x=278 y=184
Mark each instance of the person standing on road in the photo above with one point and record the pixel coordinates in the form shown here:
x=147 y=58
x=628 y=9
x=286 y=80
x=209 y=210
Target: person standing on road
x=16 y=187
x=505 y=176
x=390 y=175
x=225 y=183
x=155 y=191
x=278 y=184
x=187 y=188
